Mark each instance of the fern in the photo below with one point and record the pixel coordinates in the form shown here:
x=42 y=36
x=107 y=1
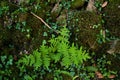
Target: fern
x=32 y=60
x=66 y=62
x=63 y=49
x=59 y=51
x=24 y=60
x=73 y=54
x=38 y=61
x=45 y=56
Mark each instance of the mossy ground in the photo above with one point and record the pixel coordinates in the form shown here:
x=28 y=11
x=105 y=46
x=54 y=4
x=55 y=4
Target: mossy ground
x=112 y=18
x=80 y=23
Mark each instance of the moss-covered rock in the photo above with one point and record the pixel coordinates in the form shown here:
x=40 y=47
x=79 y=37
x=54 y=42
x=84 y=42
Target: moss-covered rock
x=112 y=23
x=81 y=25
x=77 y=3
x=112 y=17
x=52 y=1
x=21 y=31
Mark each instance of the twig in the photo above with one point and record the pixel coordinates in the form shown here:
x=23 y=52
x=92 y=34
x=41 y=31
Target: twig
x=41 y=20
x=44 y=22
x=92 y=45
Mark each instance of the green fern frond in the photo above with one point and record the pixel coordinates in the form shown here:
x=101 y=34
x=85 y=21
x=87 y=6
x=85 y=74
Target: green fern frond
x=62 y=47
x=45 y=55
x=64 y=32
x=73 y=54
x=58 y=51
x=46 y=61
x=38 y=61
x=25 y=60
x=32 y=60
x=82 y=55
x=56 y=57
x=66 y=62
x=53 y=42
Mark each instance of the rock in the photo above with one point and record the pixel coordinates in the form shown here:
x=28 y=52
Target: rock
x=26 y=31
x=81 y=25
x=114 y=47
x=112 y=17
x=91 y=6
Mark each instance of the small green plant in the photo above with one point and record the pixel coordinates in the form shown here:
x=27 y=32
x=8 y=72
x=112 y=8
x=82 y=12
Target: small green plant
x=57 y=52
x=101 y=65
x=3 y=10
x=98 y=5
x=103 y=36
x=5 y=67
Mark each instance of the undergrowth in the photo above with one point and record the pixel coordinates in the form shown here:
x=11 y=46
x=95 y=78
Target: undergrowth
x=59 y=54
x=56 y=59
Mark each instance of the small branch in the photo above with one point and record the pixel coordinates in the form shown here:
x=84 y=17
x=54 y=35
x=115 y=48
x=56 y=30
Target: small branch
x=41 y=20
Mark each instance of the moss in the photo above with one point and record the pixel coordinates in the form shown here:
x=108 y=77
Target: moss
x=36 y=28
x=52 y=1
x=36 y=31
x=1 y=33
x=82 y=29
x=112 y=18
x=3 y=3
x=77 y=3
x=112 y=23
x=19 y=39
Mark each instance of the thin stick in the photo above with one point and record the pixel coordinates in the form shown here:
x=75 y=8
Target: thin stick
x=41 y=20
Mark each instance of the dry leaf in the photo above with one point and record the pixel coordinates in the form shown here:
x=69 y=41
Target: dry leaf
x=104 y=4
x=112 y=76
x=99 y=75
x=111 y=51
